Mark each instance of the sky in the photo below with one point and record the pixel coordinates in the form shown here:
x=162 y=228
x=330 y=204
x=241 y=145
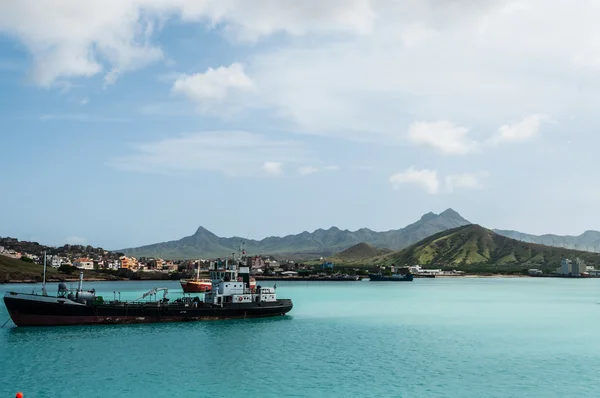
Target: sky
x=124 y=123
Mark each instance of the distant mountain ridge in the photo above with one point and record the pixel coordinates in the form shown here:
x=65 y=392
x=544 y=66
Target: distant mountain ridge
x=321 y=242
x=589 y=240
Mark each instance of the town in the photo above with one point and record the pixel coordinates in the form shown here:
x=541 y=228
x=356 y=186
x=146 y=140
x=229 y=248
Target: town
x=69 y=258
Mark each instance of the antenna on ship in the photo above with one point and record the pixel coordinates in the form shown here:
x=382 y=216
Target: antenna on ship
x=44 y=292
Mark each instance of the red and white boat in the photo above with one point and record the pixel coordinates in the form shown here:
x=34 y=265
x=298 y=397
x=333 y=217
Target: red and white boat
x=196 y=285
x=201 y=285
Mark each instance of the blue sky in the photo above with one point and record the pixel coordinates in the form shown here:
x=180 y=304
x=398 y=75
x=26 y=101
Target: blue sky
x=127 y=123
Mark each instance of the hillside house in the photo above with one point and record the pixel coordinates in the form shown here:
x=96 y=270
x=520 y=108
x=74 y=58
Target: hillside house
x=83 y=263
x=129 y=262
x=256 y=262
x=12 y=253
x=56 y=261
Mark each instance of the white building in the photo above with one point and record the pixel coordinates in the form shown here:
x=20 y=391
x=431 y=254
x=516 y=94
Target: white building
x=534 y=272
x=55 y=261
x=594 y=272
x=565 y=266
x=417 y=269
x=578 y=267
x=83 y=263
x=575 y=267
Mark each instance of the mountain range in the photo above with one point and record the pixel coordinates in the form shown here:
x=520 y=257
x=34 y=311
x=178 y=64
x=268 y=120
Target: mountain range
x=327 y=242
x=322 y=242
x=472 y=247
x=589 y=240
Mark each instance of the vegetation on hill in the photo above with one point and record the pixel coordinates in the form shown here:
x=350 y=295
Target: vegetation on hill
x=16 y=270
x=205 y=244
x=71 y=251
x=474 y=248
x=358 y=254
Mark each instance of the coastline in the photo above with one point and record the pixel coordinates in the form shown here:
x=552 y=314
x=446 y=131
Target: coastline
x=278 y=279
x=266 y=279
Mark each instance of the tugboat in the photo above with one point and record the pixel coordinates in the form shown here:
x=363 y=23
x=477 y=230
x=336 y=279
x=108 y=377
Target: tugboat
x=202 y=285
x=379 y=277
x=196 y=285
x=230 y=297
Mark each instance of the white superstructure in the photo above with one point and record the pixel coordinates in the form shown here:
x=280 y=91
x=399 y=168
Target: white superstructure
x=231 y=284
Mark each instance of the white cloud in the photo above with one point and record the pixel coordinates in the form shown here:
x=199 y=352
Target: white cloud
x=362 y=69
x=525 y=130
x=232 y=153
x=84 y=101
x=306 y=170
x=111 y=77
x=464 y=180
x=430 y=181
x=374 y=65
x=273 y=168
x=453 y=140
x=442 y=136
x=480 y=63
x=425 y=178
x=72 y=38
x=214 y=84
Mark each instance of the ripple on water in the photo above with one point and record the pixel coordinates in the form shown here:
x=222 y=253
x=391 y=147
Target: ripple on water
x=430 y=338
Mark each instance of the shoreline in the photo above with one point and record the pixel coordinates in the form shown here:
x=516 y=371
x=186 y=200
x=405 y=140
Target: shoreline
x=281 y=279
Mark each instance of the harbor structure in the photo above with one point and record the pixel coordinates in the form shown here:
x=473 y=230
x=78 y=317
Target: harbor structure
x=575 y=267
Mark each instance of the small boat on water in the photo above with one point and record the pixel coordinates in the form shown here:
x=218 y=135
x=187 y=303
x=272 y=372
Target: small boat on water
x=202 y=285
x=196 y=285
x=230 y=297
x=391 y=278
x=394 y=277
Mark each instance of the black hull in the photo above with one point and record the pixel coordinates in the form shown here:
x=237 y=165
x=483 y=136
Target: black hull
x=381 y=278
x=36 y=313
x=303 y=279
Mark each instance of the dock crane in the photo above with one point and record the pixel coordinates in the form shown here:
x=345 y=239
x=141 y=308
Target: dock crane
x=154 y=291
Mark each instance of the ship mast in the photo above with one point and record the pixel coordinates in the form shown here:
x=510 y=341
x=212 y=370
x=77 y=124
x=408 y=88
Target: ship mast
x=44 y=292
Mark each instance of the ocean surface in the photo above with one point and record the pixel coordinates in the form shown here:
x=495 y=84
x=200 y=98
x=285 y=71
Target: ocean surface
x=463 y=337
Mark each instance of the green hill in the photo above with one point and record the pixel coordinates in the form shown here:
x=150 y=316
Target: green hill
x=360 y=253
x=14 y=269
x=474 y=248
x=18 y=270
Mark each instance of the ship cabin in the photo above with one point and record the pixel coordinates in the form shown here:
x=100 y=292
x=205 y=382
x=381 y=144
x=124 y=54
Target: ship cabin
x=229 y=287
x=223 y=271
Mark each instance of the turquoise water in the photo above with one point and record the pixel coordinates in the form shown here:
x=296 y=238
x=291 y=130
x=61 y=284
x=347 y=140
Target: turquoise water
x=521 y=337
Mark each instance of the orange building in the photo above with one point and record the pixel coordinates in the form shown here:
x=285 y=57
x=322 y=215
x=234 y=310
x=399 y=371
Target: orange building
x=129 y=263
